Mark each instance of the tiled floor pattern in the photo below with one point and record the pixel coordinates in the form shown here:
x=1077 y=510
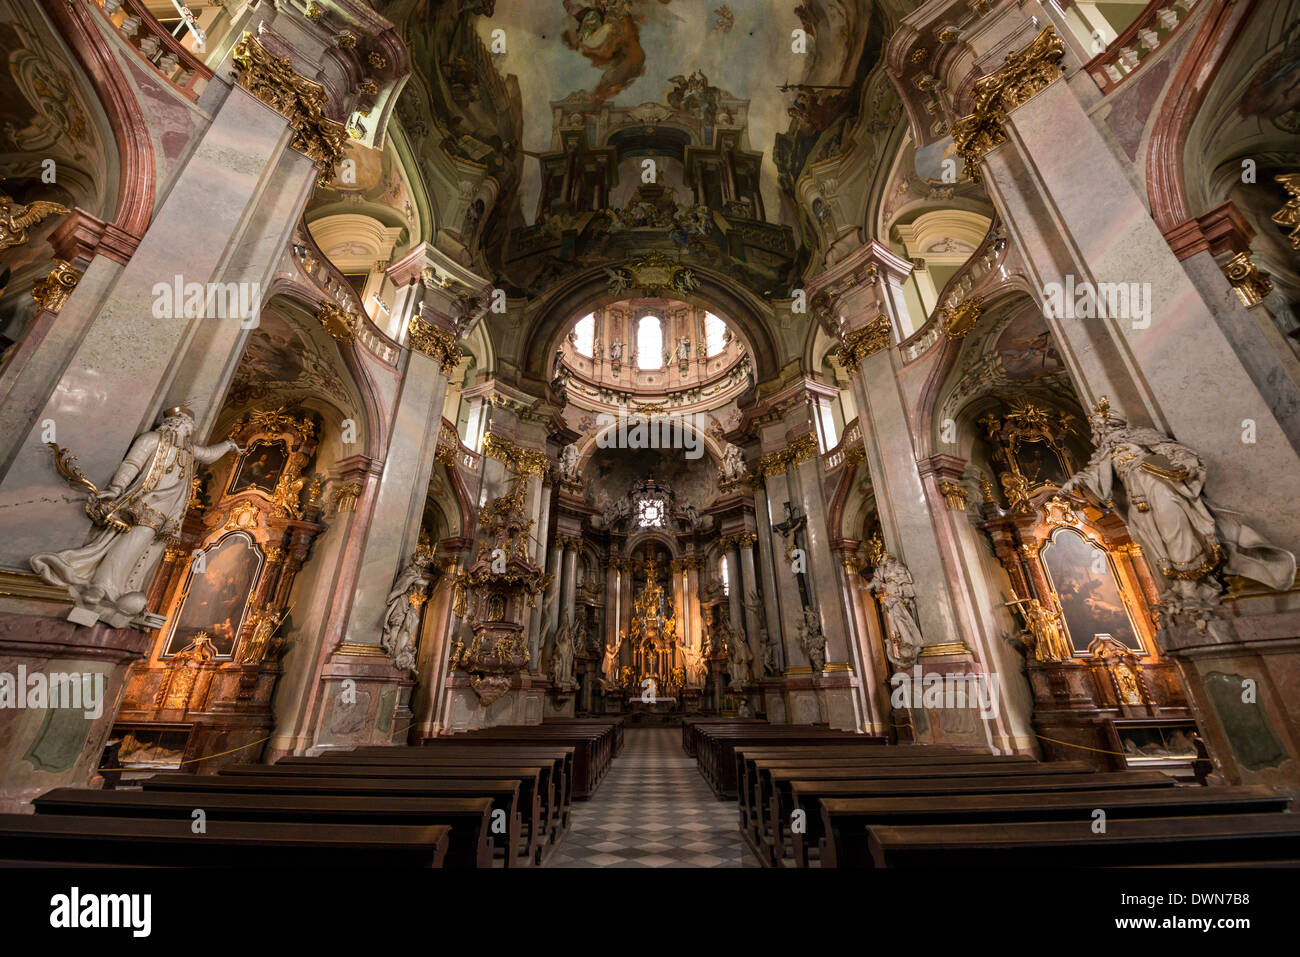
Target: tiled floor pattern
x=653 y=810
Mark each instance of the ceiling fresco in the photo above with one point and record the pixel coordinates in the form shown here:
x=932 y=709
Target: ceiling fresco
x=687 y=55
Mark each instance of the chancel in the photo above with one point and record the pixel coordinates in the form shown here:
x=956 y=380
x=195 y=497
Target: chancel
x=665 y=433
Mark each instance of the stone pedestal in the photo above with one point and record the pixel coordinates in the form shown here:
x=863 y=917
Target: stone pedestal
x=522 y=704
x=44 y=747
x=360 y=703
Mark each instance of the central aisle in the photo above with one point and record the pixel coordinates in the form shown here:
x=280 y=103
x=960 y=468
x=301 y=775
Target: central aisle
x=653 y=810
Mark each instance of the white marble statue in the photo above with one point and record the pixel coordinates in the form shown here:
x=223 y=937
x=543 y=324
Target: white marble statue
x=697 y=667
x=742 y=659
x=892 y=584
x=812 y=640
x=733 y=463
x=562 y=657
x=767 y=647
x=683 y=349
x=1187 y=538
x=609 y=665
x=569 y=463
x=616 y=350
x=135 y=515
x=402 y=617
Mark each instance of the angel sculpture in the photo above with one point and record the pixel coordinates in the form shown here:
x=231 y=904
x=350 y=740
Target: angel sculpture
x=16 y=217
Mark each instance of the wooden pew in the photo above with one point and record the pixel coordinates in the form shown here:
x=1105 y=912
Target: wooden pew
x=807 y=795
x=470 y=844
x=781 y=803
x=149 y=842
x=538 y=836
x=197 y=786
x=463 y=751
x=1138 y=842
x=756 y=764
x=541 y=783
x=716 y=748
x=588 y=749
x=845 y=820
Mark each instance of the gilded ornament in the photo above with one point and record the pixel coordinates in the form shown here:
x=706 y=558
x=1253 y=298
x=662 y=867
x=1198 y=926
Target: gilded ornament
x=337 y=321
x=438 y=344
x=960 y=318
x=15 y=218
x=954 y=493
x=272 y=80
x=520 y=461
x=1025 y=73
x=1288 y=217
x=1251 y=284
x=53 y=291
x=864 y=342
x=345 y=497
x=797 y=452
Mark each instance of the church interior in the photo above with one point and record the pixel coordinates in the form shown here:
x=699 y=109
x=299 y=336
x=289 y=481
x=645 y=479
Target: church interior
x=650 y=433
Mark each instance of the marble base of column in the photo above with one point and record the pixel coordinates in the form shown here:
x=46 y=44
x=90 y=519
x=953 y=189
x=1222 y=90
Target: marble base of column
x=45 y=747
x=360 y=698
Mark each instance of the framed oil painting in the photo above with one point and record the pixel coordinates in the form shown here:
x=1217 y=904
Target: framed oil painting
x=1083 y=577
x=260 y=467
x=215 y=599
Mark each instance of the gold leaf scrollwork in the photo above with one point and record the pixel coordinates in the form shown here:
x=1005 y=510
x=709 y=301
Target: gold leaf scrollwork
x=1025 y=73
x=520 y=461
x=337 y=321
x=954 y=493
x=272 y=80
x=798 y=451
x=864 y=342
x=438 y=344
x=53 y=291
x=1251 y=284
x=961 y=318
x=1288 y=217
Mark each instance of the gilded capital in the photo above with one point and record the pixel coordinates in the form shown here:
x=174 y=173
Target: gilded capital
x=1025 y=73
x=864 y=342
x=272 y=80
x=439 y=345
x=518 y=460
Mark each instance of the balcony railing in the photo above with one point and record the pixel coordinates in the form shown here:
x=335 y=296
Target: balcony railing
x=166 y=55
x=1152 y=29
x=849 y=448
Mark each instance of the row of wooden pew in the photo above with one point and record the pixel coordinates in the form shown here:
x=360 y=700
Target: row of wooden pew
x=497 y=797
x=806 y=799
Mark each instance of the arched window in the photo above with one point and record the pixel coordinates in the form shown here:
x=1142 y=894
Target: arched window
x=649 y=344
x=584 y=334
x=722 y=572
x=714 y=331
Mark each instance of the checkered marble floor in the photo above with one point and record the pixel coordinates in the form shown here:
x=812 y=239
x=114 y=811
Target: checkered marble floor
x=653 y=810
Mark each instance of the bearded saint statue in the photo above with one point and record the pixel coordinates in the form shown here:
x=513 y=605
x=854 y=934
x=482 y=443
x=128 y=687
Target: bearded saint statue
x=1189 y=540
x=136 y=516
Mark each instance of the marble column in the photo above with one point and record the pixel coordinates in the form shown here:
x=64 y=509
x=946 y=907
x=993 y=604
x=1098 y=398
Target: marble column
x=403 y=487
x=248 y=188
x=749 y=585
x=537 y=616
x=570 y=590
x=734 y=587
x=611 y=602
x=766 y=545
